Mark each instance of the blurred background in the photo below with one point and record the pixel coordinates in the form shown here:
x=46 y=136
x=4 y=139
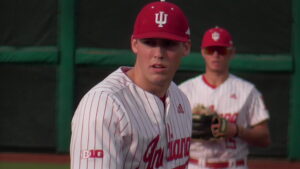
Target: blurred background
x=53 y=51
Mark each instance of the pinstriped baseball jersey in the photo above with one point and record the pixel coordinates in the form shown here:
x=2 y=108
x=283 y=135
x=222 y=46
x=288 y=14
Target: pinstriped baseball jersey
x=236 y=100
x=119 y=125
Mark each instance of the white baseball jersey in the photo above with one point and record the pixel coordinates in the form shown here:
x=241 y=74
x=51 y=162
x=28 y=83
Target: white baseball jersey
x=118 y=125
x=236 y=100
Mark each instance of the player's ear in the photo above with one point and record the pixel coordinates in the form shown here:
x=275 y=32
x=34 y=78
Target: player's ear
x=202 y=52
x=134 y=45
x=187 y=47
x=232 y=52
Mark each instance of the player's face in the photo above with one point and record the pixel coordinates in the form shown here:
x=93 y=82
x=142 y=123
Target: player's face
x=217 y=58
x=157 y=60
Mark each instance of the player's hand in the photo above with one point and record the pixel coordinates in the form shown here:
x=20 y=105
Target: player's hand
x=232 y=130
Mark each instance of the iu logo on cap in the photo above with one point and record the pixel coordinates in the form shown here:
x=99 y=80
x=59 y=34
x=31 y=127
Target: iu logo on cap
x=215 y=36
x=161 y=18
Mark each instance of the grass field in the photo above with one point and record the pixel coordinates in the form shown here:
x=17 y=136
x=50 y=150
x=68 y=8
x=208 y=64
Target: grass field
x=23 y=165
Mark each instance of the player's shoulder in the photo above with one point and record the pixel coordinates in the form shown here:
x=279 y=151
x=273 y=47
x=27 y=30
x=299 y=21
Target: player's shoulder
x=238 y=81
x=174 y=88
x=190 y=82
x=242 y=84
x=112 y=84
x=178 y=93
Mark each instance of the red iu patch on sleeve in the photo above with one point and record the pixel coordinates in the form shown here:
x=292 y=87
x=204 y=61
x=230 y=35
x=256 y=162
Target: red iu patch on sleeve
x=92 y=154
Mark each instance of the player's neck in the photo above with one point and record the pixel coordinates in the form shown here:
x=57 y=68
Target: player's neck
x=158 y=90
x=215 y=79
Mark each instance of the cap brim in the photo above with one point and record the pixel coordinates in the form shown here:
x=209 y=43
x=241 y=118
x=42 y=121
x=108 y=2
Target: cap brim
x=160 y=35
x=216 y=44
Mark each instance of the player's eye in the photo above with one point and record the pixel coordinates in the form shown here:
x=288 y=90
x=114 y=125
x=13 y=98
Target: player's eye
x=220 y=50
x=169 y=43
x=164 y=43
x=149 y=42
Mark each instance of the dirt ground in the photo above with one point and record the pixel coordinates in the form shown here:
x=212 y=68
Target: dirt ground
x=275 y=163
x=253 y=163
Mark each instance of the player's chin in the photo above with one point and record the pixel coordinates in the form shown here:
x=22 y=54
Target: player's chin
x=161 y=79
x=217 y=69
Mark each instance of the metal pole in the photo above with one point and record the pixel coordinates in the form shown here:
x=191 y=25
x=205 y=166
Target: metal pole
x=65 y=73
x=294 y=127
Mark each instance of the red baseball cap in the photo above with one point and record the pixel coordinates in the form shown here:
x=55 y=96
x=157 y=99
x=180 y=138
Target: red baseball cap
x=161 y=20
x=217 y=37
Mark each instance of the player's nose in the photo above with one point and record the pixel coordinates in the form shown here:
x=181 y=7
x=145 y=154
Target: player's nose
x=216 y=54
x=159 y=51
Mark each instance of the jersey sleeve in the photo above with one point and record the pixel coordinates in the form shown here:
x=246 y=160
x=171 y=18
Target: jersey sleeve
x=96 y=133
x=257 y=108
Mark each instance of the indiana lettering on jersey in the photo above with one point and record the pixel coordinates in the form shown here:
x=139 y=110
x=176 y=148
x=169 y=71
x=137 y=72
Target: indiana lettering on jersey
x=231 y=117
x=177 y=149
x=154 y=155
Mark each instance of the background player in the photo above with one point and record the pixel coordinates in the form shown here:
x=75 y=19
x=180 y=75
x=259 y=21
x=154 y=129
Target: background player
x=231 y=97
x=137 y=117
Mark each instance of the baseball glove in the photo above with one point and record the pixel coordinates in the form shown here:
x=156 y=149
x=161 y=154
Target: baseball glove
x=207 y=124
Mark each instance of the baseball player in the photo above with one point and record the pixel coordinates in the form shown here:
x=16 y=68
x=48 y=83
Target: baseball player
x=137 y=118
x=232 y=98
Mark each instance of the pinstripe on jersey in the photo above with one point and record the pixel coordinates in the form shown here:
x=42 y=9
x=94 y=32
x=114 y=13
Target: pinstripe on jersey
x=119 y=125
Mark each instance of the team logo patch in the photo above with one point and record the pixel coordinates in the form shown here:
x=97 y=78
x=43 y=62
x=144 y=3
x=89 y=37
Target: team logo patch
x=91 y=154
x=233 y=96
x=215 y=36
x=161 y=18
x=180 y=109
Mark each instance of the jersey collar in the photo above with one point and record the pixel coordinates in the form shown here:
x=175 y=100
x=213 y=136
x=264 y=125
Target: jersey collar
x=207 y=83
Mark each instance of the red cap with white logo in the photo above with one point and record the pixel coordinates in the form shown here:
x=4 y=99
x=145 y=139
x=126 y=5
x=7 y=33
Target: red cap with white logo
x=217 y=37
x=161 y=20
